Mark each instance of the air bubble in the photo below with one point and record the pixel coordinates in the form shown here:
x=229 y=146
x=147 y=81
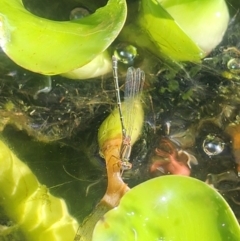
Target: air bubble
x=213 y=145
x=234 y=65
x=126 y=53
x=78 y=13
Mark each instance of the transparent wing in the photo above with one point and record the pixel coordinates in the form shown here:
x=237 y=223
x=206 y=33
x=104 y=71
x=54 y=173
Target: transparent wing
x=133 y=87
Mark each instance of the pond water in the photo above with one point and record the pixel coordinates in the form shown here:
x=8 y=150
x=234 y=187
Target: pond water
x=189 y=110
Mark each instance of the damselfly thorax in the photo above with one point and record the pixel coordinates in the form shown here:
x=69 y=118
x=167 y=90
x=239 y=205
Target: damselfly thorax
x=125 y=153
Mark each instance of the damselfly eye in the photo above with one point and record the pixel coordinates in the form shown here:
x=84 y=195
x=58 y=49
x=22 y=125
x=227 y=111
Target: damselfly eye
x=213 y=145
x=234 y=65
x=126 y=53
x=78 y=13
x=126 y=166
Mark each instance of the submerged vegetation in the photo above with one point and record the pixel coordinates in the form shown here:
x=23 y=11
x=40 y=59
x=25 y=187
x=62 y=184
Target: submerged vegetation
x=56 y=126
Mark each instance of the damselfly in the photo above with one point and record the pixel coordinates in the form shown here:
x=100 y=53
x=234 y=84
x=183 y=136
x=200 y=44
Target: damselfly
x=133 y=87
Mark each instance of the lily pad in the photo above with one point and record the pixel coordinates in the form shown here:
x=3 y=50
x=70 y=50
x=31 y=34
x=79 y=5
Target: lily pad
x=184 y=30
x=54 y=47
x=168 y=208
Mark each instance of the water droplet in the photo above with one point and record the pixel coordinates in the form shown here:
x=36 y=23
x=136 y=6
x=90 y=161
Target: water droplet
x=126 y=53
x=234 y=65
x=213 y=145
x=78 y=13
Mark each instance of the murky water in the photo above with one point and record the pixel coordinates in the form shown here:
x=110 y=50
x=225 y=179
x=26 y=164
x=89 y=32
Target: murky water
x=188 y=115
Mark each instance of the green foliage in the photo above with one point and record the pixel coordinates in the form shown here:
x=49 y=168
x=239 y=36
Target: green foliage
x=168 y=28
x=37 y=214
x=169 y=39
x=172 y=208
x=110 y=129
x=184 y=30
x=54 y=47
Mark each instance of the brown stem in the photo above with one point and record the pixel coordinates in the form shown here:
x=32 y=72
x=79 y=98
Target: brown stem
x=115 y=190
x=116 y=186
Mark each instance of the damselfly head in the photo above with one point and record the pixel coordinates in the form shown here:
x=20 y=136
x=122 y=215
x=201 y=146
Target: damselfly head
x=126 y=166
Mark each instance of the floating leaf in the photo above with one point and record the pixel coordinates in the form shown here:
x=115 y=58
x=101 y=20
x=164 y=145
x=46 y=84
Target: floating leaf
x=55 y=47
x=183 y=30
x=168 y=208
x=100 y=65
x=39 y=215
x=110 y=141
x=203 y=21
x=111 y=128
x=121 y=131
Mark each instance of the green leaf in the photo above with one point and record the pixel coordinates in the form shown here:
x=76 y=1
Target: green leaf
x=111 y=128
x=182 y=30
x=168 y=37
x=168 y=208
x=203 y=21
x=100 y=65
x=37 y=214
x=54 y=47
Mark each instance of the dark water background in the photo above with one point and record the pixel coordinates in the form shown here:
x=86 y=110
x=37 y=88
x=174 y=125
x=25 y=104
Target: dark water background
x=78 y=152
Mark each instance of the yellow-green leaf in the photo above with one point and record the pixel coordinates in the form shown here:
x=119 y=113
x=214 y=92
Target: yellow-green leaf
x=38 y=215
x=111 y=128
x=54 y=47
x=169 y=39
x=175 y=208
x=182 y=30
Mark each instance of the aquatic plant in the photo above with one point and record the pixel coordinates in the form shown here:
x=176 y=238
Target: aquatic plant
x=169 y=208
x=53 y=47
x=33 y=212
x=167 y=28
x=164 y=207
x=189 y=204
x=179 y=30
